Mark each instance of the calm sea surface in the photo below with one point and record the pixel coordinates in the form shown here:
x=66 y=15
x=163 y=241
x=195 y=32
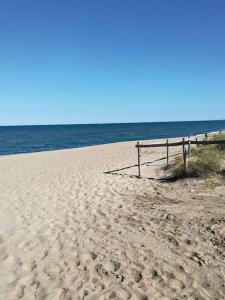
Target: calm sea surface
x=23 y=139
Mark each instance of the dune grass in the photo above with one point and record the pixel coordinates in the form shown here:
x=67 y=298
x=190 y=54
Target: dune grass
x=203 y=162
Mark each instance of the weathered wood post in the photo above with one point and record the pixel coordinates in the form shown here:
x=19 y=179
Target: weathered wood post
x=196 y=141
x=167 y=152
x=139 y=160
x=184 y=156
x=206 y=136
x=189 y=145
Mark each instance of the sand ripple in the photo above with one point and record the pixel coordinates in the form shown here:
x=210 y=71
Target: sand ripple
x=70 y=231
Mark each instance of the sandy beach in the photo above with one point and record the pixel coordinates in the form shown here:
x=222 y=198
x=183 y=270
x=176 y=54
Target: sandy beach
x=72 y=229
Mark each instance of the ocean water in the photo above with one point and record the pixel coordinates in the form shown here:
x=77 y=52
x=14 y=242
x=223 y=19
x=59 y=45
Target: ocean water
x=24 y=139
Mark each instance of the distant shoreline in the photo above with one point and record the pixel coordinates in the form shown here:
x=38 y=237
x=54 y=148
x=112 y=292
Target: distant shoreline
x=110 y=123
x=29 y=139
x=132 y=142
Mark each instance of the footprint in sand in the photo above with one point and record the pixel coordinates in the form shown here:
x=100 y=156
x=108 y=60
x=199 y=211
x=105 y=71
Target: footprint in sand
x=3 y=254
x=52 y=270
x=20 y=291
x=29 y=266
x=135 y=274
x=112 y=266
x=61 y=293
x=86 y=258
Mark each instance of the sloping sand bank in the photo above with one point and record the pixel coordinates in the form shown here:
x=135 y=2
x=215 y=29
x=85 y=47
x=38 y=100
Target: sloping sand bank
x=68 y=230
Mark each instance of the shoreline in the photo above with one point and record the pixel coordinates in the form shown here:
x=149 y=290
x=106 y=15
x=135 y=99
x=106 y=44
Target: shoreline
x=99 y=145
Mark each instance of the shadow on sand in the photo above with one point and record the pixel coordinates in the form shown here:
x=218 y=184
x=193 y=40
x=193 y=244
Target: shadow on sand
x=148 y=163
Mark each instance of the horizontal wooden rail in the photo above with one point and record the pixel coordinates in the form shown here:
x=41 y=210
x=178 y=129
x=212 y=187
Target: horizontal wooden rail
x=219 y=142
x=161 y=144
x=186 y=142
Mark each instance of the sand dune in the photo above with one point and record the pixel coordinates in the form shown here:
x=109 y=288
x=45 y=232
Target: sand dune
x=71 y=230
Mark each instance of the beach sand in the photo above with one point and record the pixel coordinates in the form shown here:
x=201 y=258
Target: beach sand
x=70 y=229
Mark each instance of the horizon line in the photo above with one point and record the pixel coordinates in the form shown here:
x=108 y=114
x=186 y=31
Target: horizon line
x=111 y=123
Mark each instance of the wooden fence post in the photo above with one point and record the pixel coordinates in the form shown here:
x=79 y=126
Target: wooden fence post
x=196 y=141
x=184 y=156
x=167 y=152
x=139 y=160
x=189 y=147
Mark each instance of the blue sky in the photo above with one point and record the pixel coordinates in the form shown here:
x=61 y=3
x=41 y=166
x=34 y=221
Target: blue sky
x=101 y=61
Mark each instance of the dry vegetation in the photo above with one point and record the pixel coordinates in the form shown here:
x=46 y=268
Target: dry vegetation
x=204 y=161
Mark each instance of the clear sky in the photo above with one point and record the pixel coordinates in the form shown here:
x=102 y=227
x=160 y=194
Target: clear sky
x=95 y=61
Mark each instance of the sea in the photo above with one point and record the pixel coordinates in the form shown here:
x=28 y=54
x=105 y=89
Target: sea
x=36 y=138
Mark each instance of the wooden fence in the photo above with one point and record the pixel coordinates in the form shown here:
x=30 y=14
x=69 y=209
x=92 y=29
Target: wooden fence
x=186 y=148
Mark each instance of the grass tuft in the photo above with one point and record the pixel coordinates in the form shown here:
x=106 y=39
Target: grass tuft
x=218 y=137
x=203 y=162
